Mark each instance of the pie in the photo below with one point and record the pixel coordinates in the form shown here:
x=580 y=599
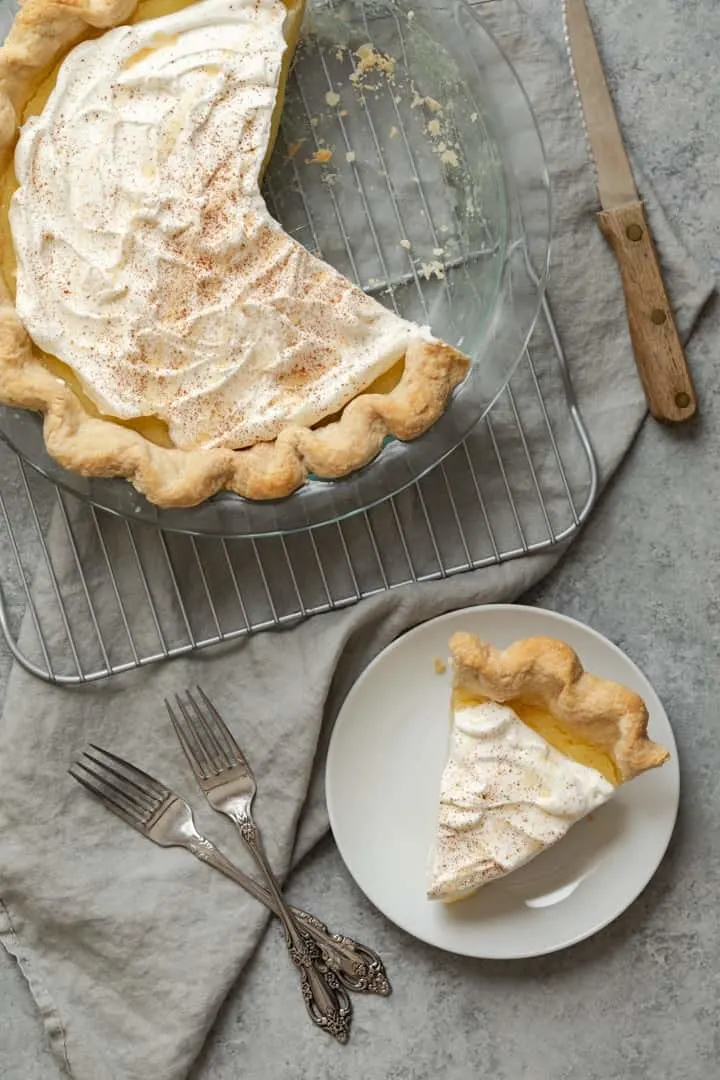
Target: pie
x=537 y=743
x=166 y=326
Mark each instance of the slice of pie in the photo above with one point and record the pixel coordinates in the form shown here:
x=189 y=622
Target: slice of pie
x=537 y=743
x=168 y=328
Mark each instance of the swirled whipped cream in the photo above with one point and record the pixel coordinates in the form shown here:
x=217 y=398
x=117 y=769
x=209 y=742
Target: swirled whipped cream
x=146 y=258
x=505 y=796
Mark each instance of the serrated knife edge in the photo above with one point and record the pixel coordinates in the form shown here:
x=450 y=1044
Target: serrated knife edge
x=573 y=76
x=614 y=176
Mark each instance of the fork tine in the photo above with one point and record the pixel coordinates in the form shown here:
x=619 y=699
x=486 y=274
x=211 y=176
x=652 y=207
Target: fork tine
x=96 y=788
x=198 y=745
x=131 y=790
x=223 y=730
x=141 y=779
x=196 y=765
x=132 y=803
x=227 y=757
x=205 y=731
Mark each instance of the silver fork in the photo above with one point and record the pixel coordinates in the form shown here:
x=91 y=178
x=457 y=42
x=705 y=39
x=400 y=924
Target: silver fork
x=357 y=966
x=228 y=783
x=163 y=817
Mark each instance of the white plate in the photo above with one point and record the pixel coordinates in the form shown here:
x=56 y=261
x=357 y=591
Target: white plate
x=386 y=756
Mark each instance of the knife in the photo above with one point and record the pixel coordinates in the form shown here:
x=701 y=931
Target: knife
x=658 y=352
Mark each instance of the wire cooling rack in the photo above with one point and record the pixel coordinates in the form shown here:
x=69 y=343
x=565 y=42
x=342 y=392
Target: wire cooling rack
x=85 y=594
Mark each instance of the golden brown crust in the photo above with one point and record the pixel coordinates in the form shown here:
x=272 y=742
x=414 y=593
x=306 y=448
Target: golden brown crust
x=548 y=673
x=42 y=32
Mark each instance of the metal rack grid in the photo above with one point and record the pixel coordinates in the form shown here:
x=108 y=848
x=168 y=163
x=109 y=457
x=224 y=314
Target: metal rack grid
x=85 y=594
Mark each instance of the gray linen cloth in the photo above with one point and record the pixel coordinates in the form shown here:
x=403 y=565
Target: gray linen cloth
x=129 y=950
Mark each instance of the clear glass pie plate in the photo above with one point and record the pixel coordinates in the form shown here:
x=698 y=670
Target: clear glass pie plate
x=410 y=159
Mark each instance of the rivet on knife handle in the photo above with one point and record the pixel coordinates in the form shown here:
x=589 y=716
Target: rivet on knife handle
x=659 y=354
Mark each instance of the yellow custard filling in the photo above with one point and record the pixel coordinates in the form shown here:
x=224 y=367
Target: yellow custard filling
x=555 y=733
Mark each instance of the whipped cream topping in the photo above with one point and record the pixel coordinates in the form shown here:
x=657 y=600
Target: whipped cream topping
x=146 y=258
x=505 y=796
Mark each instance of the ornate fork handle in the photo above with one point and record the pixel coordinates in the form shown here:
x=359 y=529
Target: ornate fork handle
x=326 y=1000
x=357 y=966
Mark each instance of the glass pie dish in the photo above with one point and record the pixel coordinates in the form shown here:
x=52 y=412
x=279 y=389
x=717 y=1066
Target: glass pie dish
x=422 y=177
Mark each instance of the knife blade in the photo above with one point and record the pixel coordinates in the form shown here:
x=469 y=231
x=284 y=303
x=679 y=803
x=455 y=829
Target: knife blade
x=659 y=354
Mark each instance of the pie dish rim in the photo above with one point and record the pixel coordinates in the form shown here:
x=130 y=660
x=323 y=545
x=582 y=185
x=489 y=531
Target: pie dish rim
x=93 y=446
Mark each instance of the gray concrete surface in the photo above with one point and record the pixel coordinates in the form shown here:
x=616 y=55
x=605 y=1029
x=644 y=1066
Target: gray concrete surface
x=642 y=998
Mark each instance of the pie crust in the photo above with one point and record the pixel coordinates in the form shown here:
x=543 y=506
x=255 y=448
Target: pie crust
x=85 y=442
x=547 y=674
x=537 y=744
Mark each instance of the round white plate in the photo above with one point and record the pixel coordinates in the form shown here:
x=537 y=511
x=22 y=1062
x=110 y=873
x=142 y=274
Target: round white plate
x=385 y=760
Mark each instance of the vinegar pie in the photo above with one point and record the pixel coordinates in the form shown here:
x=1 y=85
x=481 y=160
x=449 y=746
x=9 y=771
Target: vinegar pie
x=536 y=744
x=166 y=326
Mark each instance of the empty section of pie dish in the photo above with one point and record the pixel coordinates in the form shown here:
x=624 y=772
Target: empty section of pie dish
x=409 y=158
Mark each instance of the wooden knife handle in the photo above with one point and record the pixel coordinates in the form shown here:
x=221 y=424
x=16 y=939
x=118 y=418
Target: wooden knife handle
x=658 y=353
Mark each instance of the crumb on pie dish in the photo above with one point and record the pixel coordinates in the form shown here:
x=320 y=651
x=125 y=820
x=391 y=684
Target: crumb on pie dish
x=166 y=326
x=537 y=743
